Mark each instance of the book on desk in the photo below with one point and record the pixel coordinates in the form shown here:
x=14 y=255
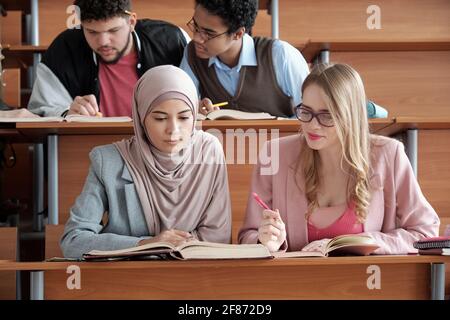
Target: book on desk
x=190 y=250
x=202 y=250
x=342 y=245
x=434 y=246
x=23 y=115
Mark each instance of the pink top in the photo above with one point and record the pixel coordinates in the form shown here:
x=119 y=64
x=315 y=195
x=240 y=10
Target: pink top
x=347 y=223
x=117 y=83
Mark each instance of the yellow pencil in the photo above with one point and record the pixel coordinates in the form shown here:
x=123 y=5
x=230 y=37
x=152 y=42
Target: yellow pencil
x=220 y=104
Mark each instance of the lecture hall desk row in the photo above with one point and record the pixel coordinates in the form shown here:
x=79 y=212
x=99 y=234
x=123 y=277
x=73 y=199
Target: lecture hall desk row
x=74 y=141
x=70 y=143
x=427 y=142
x=372 y=277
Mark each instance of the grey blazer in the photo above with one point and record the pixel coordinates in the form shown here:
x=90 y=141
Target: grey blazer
x=109 y=189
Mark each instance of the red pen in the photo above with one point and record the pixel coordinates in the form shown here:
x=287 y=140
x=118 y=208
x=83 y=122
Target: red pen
x=260 y=202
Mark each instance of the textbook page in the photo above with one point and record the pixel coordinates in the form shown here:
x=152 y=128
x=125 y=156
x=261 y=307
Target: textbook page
x=188 y=251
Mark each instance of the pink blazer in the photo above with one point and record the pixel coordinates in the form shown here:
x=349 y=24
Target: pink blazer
x=398 y=214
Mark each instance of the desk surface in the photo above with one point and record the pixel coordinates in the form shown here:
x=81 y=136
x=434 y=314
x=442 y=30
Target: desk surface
x=86 y=128
x=24 y=49
x=8 y=265
x=313 y=47
x=402 y=277
x=401 y=124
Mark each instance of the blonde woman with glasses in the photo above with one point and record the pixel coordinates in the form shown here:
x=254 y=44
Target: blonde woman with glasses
x=336 y=178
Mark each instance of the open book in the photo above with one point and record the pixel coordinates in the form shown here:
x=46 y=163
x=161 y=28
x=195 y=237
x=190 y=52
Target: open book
x=338 y=246
x=193 y=250
x=230 y=114
x=188 y=251
x=9 y=117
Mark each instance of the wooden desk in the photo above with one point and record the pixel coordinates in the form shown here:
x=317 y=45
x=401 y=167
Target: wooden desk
x=401 y=124
x=23 y=5
x=383 y=64
x=313 y=48
x=427 y=142
x=11 y=134
x=401 y=277
x=70 y=143
x=18 y=56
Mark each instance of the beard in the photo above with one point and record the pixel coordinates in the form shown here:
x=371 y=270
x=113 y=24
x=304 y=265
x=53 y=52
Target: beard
x=119 y=54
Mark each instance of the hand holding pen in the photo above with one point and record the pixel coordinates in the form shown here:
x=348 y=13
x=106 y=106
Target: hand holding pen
x=206 y=106
x=271 y=231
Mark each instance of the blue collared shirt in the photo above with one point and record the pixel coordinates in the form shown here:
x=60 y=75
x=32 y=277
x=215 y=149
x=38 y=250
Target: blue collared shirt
x=290 y=68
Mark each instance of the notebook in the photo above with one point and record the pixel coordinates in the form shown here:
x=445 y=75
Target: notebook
x=433 y=243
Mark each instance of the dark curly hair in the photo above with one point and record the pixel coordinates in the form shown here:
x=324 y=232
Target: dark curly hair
x=102 y=9
x=235 y=13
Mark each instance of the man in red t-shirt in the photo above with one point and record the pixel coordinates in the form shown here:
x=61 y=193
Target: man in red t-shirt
x=95 y=69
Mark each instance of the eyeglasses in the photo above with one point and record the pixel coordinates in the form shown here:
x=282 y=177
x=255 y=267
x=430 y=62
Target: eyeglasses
x=324 y=118
x=205 y=35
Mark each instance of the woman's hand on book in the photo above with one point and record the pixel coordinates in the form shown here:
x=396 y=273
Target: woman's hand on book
x=172 y=236
x=272 y=231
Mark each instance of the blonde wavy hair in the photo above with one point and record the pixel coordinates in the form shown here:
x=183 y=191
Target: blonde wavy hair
x=346 y=101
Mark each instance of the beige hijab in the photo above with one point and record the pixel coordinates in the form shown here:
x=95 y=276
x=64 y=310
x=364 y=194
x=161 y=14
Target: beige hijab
x=177 y=190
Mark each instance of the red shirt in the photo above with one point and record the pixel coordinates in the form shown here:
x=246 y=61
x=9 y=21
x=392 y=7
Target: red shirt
x=117 y=83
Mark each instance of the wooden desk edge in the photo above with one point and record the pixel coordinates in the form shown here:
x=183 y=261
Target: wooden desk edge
x=402 y=124
x=313 y=47
x=7 y=265
x=63 y=128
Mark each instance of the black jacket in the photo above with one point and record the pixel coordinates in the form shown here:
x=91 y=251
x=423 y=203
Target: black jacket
x=74 y=63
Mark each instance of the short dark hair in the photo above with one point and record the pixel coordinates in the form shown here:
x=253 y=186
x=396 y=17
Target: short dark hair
x=102 y=9
x=235 y=13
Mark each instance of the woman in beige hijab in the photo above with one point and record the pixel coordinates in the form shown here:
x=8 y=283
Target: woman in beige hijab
x=166 y=183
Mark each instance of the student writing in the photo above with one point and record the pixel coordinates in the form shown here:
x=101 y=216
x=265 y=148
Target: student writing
x=96 y=67
x=335 y=178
